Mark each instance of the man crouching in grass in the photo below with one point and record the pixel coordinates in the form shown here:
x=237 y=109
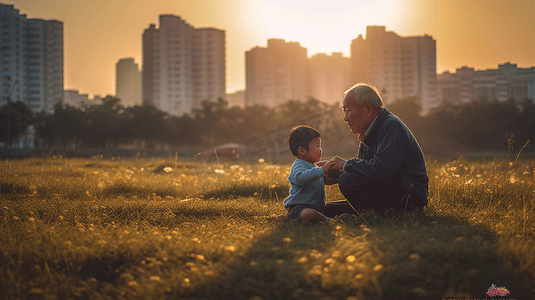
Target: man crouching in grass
x=307 y=191
x=389 y=172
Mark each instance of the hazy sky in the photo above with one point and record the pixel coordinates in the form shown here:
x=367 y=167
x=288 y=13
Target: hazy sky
x=474 y=33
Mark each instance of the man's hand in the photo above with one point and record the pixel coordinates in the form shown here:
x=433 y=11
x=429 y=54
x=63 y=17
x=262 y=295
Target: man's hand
x=326 y=166
x=338 y=164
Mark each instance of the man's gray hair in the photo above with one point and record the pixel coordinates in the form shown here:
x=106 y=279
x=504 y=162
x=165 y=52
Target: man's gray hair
x=363 y=93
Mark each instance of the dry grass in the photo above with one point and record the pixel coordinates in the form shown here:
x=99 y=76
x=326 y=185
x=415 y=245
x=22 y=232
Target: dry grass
x=93 y=229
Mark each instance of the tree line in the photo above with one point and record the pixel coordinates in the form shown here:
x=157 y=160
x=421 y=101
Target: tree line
x=480 y=125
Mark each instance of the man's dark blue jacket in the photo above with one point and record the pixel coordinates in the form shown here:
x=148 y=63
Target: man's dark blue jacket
x=390 y=151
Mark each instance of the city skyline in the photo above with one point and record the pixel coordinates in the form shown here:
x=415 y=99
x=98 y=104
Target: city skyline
x=97 y=34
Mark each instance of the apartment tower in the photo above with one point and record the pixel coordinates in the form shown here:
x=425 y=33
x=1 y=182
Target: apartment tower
x=398 y=66
x=31 y=60
x=182 y=66
x=276 y=73
x=330 y=76
x=128 y=82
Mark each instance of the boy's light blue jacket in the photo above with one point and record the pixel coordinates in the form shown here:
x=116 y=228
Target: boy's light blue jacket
x=307 y=185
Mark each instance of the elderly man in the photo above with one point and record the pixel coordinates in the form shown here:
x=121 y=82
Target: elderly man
x=389 y=171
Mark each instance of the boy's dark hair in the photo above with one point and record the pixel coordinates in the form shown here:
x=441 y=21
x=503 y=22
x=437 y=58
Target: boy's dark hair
x=301 y=136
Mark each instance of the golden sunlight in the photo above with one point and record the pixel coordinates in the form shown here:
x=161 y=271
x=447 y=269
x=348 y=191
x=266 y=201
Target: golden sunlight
x=321 y=26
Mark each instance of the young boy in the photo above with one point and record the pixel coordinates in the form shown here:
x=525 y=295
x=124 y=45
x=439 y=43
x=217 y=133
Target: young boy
x=307 y=190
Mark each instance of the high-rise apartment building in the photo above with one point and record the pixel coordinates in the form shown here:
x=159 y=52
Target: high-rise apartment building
x=330 y=77
x=31 y=60
x=506 y=82
x=182 y=66
x=209 y=68
x=128 y=82
x=276 y=73
x=398 y=66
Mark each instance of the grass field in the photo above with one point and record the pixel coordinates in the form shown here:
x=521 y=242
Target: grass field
x=149 y=229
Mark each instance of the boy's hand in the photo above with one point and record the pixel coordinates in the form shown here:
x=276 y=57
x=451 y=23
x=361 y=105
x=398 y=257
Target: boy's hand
x=326 y=166
x=328 y=179
x=320 y=163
